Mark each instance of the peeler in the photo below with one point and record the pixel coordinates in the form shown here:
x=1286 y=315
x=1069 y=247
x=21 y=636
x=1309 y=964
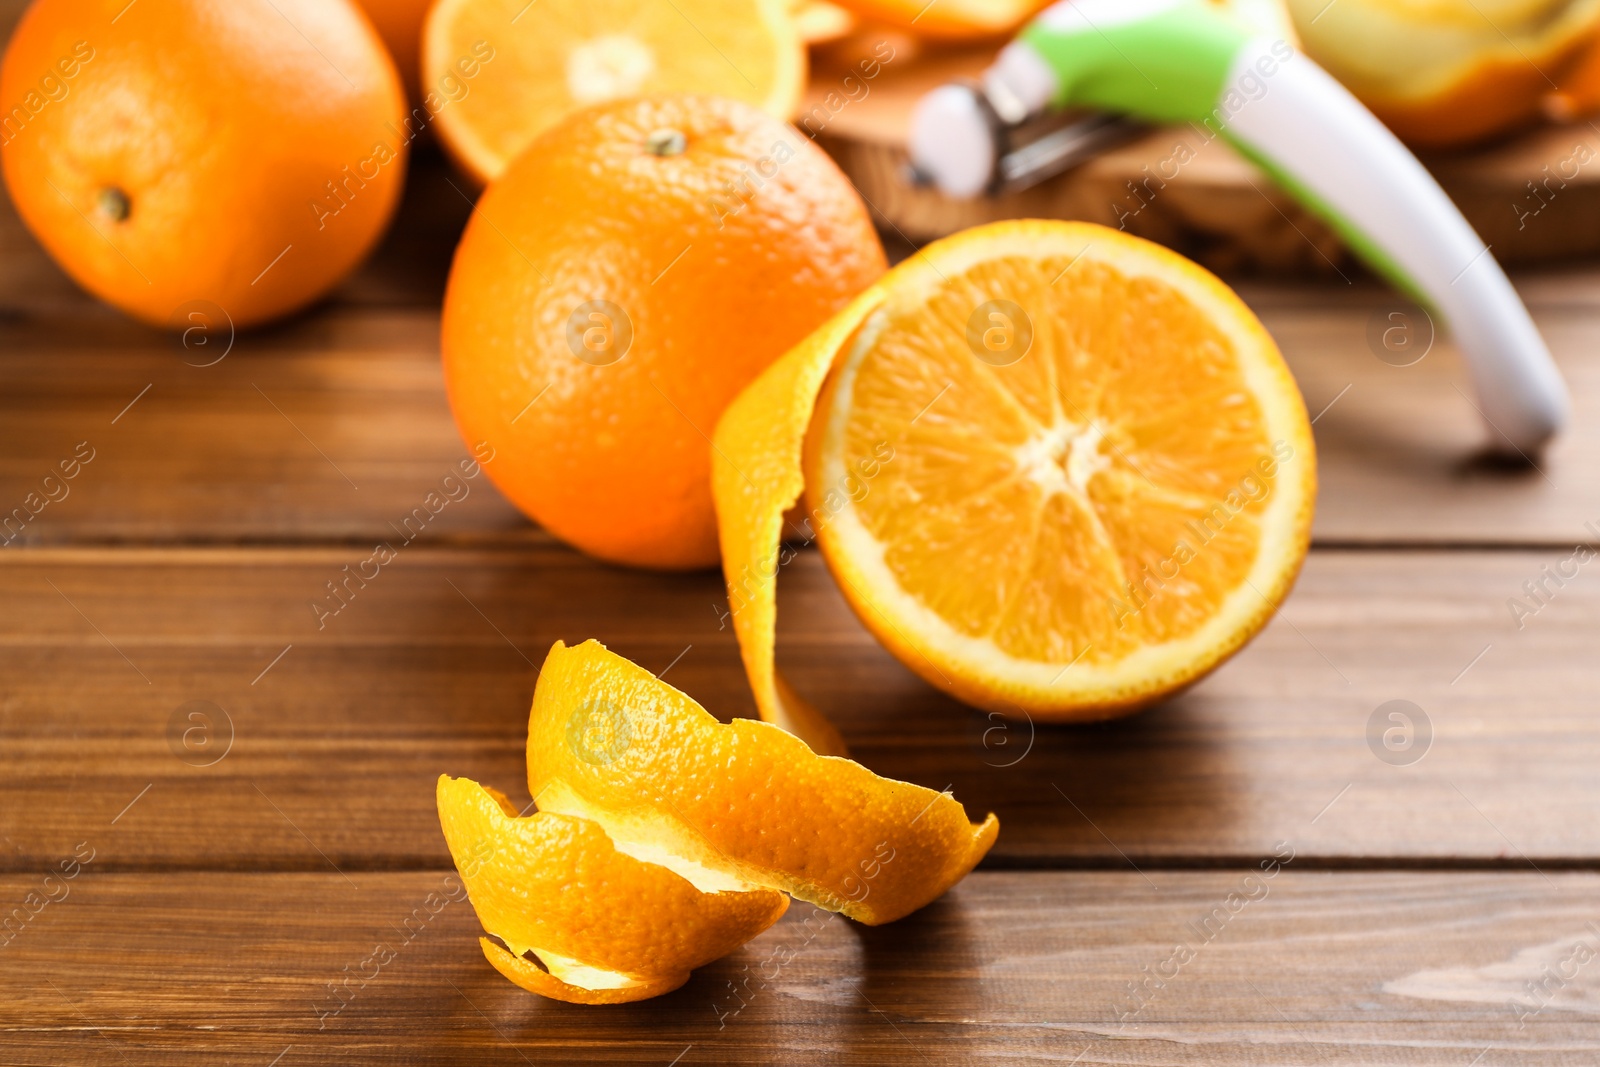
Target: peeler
x=1132 y=62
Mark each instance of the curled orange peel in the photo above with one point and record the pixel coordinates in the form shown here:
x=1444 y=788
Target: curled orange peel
x=607 y=928
x=756 y=476
x=740 y=806
x=666 y=839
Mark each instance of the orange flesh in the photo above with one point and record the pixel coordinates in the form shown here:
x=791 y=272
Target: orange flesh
x=1028 y=504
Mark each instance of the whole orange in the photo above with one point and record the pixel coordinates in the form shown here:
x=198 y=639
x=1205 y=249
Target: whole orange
x=633 y=270
x=174 y=152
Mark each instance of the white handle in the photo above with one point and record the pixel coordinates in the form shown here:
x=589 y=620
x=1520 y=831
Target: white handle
x=1316 y=138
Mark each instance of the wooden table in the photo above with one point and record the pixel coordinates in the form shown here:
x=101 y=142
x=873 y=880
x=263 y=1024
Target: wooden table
x=1441 y=910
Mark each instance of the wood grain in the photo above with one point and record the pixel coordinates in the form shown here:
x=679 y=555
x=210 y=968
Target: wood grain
x=1008 y=968
x=430 y=670
x=334 y=425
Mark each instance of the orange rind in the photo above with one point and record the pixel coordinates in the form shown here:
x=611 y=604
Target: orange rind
x=1070 y=529
x=666 y=839
x=607 y=928
x=741 y=805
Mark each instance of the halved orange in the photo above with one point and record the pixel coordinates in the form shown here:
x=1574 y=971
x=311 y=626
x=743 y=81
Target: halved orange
x=1055 y=469
x=536 y=62
x=607 y=928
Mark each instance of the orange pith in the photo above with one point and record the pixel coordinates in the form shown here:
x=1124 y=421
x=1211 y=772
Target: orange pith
x=1055 y=469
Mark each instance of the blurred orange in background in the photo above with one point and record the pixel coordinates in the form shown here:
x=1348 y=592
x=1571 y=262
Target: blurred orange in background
x=1446 y=73
x=246 y=156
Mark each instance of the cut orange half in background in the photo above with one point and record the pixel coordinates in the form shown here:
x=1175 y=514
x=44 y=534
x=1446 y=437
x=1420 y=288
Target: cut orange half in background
x=1054 y=468
x=1444 y=73
x=537 y=62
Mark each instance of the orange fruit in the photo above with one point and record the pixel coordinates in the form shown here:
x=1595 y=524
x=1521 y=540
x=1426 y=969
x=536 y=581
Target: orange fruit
x=948 y=19
x=741 y=805
x=556 y=56
x=1055 y=469
x=1443 y=73
x=636 y=268
x=253 y=175
x=399 y=23
x=607 y=928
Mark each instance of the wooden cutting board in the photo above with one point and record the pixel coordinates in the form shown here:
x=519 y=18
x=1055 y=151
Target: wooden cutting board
x=1534 y=197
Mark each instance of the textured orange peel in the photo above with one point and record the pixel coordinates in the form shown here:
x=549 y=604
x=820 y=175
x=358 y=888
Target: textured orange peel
x=665 y=839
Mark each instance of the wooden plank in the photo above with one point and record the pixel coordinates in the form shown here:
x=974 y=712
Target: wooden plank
x=332 y=426
x=270 y=442
x=430 y=669
x=1008 y=968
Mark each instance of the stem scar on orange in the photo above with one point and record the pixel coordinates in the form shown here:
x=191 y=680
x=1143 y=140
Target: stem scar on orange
x=633 y=270
x=175 y=151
